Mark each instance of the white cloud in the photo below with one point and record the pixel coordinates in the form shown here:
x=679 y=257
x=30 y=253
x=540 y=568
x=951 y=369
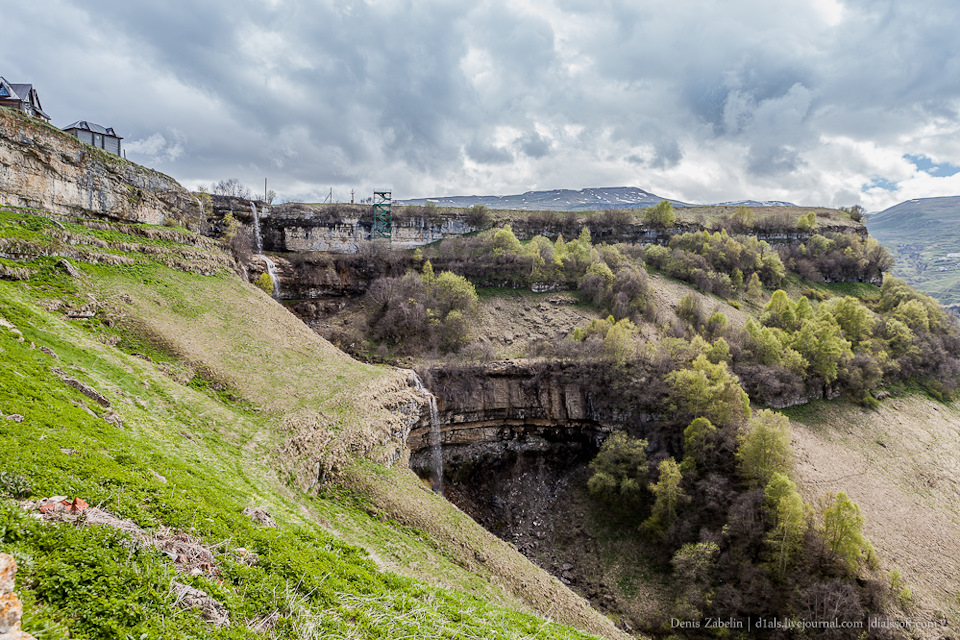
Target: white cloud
x=810 y=101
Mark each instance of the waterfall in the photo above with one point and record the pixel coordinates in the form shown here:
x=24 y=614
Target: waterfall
x=272 y=270
x=256 y=229
x=271 y=265
x=436 y=442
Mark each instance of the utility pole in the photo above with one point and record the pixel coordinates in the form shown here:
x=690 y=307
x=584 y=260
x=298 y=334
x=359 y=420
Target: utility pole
x=264 y=190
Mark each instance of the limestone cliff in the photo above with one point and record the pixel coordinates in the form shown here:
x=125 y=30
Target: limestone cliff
x=43 y=167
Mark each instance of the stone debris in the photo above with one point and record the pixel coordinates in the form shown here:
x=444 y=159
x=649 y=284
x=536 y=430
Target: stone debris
x=247 y=557
x=11 y=609
x=49 y=352
x=114 y=418
x=15 y=273
x=12 y=328
x=188 y=554
x=85 y=389
x=260 y=516
x=16 y=417
x=189 y=598
x=59 y=504
x=70 y=270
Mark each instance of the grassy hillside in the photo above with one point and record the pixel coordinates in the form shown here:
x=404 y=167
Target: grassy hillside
x=921 y=233
x=219 y=401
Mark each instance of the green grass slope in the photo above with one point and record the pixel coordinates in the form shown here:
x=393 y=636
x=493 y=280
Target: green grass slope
x=921 y=233
x=220 y=401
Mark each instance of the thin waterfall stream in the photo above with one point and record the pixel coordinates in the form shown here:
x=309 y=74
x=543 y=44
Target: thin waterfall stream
x=271 y=265
x=436 y=441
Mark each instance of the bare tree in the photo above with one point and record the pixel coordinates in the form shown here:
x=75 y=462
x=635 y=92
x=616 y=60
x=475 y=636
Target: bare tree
x=232 y=187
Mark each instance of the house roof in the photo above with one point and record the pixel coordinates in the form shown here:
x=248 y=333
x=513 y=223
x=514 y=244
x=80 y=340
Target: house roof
x=95 y=128
x=22 y=90
x=23 y=93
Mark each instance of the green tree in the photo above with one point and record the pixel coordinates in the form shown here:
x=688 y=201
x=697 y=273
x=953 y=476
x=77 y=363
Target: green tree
x=709 y=390
x=698 y=440
x=719 y=351
x=716 y=323
x=660 y=215
x=754 y=287
x=505 y=243
x=743 y=218
x=736 y=279
x=843 y=532
x=618 y=342
x=620 y=469
x=791 y=517
x=803 y=309
x=764 y=447
x=427 y=273
x=453 y=291
x=821 y=343
x=854 y=319
x=669 y=495
x=779 y=312
x=807 y=221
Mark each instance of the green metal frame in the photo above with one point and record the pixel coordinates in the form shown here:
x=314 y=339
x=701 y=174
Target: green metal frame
x=382 y=215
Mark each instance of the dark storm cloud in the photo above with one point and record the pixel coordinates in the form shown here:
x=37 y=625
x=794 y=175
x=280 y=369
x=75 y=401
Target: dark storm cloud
x=783 y=99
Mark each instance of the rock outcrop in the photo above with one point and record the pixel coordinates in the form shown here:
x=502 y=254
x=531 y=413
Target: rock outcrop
x=44 y=168
x=11 y=610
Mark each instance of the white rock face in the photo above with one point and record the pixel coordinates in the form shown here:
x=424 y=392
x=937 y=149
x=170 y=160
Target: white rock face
x=43 y=168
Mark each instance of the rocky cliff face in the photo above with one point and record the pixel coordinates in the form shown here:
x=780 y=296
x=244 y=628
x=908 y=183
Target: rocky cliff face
x=336 y=228
x=11 y=609
x=42 y=167
x=487 y=408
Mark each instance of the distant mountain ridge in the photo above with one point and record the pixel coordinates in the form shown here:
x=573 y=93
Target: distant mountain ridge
x=924 y=236
x=589 y=199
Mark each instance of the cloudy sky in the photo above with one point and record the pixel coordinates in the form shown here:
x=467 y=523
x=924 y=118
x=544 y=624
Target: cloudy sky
x=818 y=102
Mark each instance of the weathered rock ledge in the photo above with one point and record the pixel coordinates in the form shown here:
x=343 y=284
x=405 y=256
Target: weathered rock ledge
x=44 y=168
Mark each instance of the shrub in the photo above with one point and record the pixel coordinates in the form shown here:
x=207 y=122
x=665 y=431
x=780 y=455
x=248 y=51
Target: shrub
x=843 y=532
x=660 y=215
x=478 y=217
x=710 y=391
x=764 y=447
x=264 y=282
x=620 y=469
x=669 y=495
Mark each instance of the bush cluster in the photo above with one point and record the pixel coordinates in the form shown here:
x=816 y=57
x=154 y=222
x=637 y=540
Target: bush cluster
x=717 y=262
x=847 y=345
x=728 y=520
x=422 y=311
x=837 y=257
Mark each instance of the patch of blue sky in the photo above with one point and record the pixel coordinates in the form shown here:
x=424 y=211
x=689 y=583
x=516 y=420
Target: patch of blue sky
x=928 y=166
x=880 y=183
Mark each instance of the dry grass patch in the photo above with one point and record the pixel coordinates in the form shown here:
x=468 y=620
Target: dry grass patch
x=901 y=464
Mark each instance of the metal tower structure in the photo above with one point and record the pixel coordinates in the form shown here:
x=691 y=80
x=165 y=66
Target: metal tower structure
x=382 y=215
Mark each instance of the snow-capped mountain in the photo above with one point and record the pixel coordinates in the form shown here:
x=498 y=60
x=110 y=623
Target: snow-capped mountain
x=569 y=200
x=555 y=199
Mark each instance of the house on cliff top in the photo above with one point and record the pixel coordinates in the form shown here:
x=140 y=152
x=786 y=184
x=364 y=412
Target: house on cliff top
x=22 y=97
x=101 y=137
